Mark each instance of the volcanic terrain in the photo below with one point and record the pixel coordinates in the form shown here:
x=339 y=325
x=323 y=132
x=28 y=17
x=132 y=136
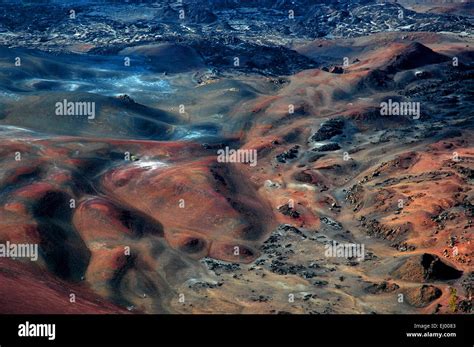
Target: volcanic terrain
x=134 y=213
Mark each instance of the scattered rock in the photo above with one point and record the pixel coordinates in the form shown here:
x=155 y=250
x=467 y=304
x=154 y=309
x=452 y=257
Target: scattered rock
x=292 y=153
x=289 y=211
x=383 y=287
x=327 y=147
x=464 y=306
x=328 y=130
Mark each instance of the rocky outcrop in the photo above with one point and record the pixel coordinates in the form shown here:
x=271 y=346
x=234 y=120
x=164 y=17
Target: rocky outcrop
x=425 y=268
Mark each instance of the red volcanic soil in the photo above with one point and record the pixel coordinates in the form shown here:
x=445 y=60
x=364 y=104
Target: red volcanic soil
x=192 y=191
x=138 y=224
x=26 y=289
x=110 y=221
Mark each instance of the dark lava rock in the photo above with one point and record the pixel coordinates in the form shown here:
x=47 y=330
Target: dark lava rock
x=261 y=298
x=204 y=285
x=219 y=266
x=292 y=153
x=426 y=267
x=277 y=249
x=327 y=147
x=464 y=306
x=331 y=223
x=289 y=211
x=336 y=69
x=422 y=296
x=468 y=285
x=287 y=228
x=466 y=172
x=200 y=15
x=328 y=130
x=320 y=283
x=283 y=268
x=274 y=61
x=126 y=99
x=383 y=287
